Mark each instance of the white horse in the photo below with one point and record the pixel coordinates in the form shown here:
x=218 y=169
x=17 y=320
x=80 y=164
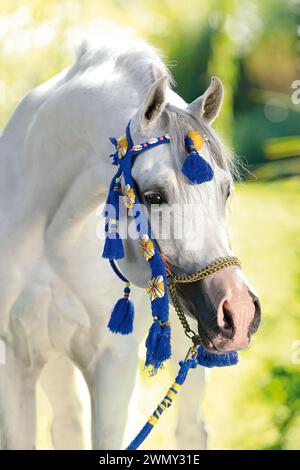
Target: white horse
x=56 y=293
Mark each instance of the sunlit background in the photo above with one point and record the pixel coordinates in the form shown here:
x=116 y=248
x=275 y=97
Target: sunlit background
x=254 y=47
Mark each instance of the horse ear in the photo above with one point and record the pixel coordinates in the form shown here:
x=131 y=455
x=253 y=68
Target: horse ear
x=209 y=104
x=153 y=104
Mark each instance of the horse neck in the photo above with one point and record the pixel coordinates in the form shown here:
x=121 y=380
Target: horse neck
x=65 y=156
x=14 y=135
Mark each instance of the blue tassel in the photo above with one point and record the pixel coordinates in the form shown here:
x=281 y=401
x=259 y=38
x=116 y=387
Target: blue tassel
x=158 y=344
x=122 y=316
x=113 y=248
x=185 y=366
x=207 y=359
x=196 y=168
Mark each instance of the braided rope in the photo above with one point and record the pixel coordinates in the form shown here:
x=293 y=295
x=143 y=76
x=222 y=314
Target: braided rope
x=189 y=362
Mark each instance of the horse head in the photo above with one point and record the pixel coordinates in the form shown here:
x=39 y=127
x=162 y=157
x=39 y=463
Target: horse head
x=188 y=220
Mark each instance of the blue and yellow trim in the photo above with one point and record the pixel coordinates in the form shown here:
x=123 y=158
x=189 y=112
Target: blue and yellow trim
x=165 y=403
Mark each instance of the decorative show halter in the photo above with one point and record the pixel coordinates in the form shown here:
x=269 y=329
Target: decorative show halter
x=158 y=348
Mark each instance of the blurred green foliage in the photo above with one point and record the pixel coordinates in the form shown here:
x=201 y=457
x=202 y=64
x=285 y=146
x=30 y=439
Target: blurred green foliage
x=282 y=389
x=256 y=404
x=253 y=47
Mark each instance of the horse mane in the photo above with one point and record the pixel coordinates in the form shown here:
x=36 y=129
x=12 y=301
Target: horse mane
x=145 y=64
x=126 y=54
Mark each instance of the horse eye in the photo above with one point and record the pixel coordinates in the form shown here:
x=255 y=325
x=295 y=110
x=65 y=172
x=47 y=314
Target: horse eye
x=154 y=198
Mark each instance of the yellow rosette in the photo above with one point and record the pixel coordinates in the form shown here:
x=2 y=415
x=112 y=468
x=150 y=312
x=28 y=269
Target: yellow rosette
x=122 y=146
x=156 y=288
x=146 y=246
x=129 y=196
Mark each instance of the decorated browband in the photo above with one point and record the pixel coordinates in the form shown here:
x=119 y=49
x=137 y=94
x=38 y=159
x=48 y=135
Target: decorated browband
x=197 y=170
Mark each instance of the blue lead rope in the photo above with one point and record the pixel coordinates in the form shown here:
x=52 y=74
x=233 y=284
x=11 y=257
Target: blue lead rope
x=185 y=366
x=199 y=357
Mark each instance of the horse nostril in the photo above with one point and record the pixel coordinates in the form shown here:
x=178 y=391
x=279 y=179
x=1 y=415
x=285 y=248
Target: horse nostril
x=227 y=325
x=257 y=314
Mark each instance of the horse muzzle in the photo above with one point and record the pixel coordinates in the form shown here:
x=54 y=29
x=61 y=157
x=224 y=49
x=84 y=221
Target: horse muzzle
x=227 y=311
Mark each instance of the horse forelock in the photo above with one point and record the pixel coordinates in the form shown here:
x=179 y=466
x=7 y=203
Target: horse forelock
x=177 y=121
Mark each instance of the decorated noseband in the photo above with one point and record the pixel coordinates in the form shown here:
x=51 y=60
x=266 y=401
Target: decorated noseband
x=197 y=171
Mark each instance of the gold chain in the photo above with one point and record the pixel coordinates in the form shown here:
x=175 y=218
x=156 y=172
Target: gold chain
x=204 y=273
x=208 y=270
x=181 y=315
